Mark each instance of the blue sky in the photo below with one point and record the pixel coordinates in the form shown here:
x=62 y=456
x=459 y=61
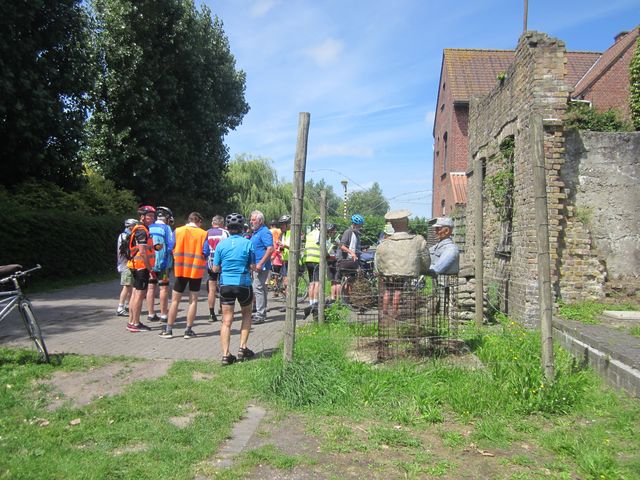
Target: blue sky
x=367 y=72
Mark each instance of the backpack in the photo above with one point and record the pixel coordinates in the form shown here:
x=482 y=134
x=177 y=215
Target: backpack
x=159 y=235
x=123 y=244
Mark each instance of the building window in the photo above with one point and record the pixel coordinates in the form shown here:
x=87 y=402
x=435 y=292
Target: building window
x=444 y=158
x=442 y=208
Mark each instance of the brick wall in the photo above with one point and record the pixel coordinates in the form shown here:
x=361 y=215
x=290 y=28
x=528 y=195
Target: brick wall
x=534 y=83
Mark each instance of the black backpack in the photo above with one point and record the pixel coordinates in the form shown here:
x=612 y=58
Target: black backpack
x=123 y=249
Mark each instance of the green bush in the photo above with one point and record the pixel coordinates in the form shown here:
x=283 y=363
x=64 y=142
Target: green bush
x=581 y=116
x=65 y=243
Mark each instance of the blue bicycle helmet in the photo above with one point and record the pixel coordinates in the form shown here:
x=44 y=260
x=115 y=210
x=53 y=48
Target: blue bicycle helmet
x=357 y=219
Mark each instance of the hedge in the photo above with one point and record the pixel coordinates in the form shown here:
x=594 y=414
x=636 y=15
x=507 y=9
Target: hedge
x=65 y=243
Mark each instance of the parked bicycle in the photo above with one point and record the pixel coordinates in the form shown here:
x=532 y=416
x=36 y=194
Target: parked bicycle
x=276 y=284
x=12 y=297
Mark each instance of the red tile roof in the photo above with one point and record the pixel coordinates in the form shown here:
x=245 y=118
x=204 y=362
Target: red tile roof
x=474 y=72
x=613 y=53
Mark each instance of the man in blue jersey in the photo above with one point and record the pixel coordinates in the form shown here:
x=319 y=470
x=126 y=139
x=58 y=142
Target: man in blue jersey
x=235 y=259
x=262 y=241
x=163 y=242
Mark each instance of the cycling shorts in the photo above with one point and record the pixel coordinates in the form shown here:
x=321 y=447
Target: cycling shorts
x=140 y=279
x=213 y=276
x=313 y=270
x=180 y=284
x=230 y=293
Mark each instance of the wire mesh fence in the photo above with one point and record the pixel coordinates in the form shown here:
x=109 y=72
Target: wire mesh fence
x=400 y=317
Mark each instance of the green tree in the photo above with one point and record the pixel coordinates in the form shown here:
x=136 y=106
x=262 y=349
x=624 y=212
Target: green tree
x=312 y=196
x=168 y=94
x=253 y=184
x=45 y=73
x=370 y=202
x=634 y=86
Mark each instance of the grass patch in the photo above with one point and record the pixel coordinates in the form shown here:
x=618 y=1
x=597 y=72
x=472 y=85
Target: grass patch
x=580 y=428
x=589 y=311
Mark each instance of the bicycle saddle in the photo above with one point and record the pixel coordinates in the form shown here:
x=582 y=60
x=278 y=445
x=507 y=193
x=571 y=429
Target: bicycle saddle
x=10 y=269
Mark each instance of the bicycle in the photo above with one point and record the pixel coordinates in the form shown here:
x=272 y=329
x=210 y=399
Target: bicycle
x=15 y=298
x=363 y=285
x=277 y=286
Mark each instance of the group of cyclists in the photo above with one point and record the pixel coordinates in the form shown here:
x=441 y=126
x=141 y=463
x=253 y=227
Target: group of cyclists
x=238 y=262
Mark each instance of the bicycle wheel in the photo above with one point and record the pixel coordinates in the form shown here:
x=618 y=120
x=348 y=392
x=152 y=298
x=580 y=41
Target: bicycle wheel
x=303 y=288
x=33 y=329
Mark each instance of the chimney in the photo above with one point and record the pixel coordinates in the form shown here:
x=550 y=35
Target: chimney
x=619 y=36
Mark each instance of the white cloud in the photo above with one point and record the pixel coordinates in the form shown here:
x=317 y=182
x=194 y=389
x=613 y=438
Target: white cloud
x=326 y=52
x=327 y=150
x=262 y=7
x=430 y=117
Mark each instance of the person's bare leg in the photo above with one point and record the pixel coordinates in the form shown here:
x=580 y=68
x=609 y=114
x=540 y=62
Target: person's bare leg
x=135 y=307
x=385 y=301
x=151 y=299
x=396 y=301
x=225 y=328
x=173 y=309
x=164 y=300
x=245 y=328
x=193 y=308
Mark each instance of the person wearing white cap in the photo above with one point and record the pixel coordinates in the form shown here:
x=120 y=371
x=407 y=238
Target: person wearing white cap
x=400 y=257
x=445 y=255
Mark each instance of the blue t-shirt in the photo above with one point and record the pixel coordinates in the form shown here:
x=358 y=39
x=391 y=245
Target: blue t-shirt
x=261 y=240
x=234 y=255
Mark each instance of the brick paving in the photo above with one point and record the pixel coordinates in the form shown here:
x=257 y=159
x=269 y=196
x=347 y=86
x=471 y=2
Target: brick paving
x=82 y=320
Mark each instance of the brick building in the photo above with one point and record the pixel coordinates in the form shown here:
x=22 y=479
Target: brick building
x=601 y=78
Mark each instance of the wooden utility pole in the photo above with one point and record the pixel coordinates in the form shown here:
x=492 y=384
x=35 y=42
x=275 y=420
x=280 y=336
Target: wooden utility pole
x=296 y=229
x=526 y=14
x=479 y=241
x=542 y=234
x=323 y=255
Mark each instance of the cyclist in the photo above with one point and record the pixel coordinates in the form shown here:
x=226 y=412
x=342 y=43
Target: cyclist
x=235 y=258
x=350 y=252
x=163 y=242
x=215 y=235
x=141 y=263
x=283 y=245
x=333 y=243
x=262 y=241
x=126 y=279
x=312 y=260
x=400 y=257
x=190 y=253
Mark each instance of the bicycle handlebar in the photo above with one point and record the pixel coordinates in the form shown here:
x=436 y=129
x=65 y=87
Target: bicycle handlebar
x=20 y=273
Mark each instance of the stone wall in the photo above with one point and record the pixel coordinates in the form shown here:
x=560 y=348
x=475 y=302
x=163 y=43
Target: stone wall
x=534 y=84
x=602 y=235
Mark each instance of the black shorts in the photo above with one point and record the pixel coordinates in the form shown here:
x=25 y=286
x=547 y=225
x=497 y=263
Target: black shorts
x=214 y=276
x=313 y=270
x=230 y=293
x=276 y=268
x=180 y=284
x=140 y=279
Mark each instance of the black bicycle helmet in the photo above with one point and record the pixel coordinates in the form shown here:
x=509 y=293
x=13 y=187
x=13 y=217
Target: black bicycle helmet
x=331 y=226
x=164 y=212
x=285 y=219
x=235 y=220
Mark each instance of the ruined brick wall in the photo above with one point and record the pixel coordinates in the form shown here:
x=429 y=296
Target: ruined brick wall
x=534 y=84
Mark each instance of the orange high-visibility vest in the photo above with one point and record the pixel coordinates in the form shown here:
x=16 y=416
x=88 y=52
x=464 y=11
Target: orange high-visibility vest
x=188 y=259
x=136 y=262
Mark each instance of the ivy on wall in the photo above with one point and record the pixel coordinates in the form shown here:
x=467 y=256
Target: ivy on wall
x=499 y=186
x=634 y=86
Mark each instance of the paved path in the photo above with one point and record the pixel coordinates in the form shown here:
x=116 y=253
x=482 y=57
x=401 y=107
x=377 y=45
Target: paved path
x=82 y=320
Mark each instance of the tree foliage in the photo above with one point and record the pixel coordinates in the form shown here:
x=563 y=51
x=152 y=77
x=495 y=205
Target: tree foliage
x=369 y=202
x=634 y=86
x=45 y=74
x=167 y=94
x=252 y=184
